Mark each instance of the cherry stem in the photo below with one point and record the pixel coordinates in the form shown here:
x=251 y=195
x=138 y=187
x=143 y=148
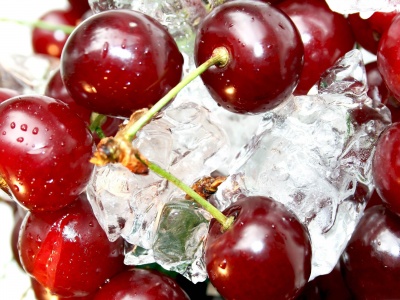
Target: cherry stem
x=42 y=25
x=219 y=216
x=95 y=125
x=219 y=57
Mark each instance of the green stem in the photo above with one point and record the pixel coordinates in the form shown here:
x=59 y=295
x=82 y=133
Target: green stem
x=42 y=25
x=219 y=57
x=95 y=125
x=219 y=216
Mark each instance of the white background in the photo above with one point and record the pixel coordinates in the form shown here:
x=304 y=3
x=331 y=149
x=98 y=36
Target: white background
x=14 y=38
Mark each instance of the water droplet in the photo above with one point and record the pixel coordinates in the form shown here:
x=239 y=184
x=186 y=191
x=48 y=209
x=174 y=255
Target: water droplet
x=12 y=125
x=222 y=264
x=24 y=127
x=35 y=130
x=123 y=45
x=16 y=188
x=4 y=133
x=20 y=139
x=104 y=52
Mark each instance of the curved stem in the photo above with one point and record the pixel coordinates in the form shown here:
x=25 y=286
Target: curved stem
x=219 y=216
x=42 y=25
x=95 y=125
x=220 y=57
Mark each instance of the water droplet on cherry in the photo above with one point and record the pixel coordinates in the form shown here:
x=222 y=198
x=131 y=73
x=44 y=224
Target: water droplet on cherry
x=12 y=125
x=24 y=127
x=35 y=130
x=20 y=139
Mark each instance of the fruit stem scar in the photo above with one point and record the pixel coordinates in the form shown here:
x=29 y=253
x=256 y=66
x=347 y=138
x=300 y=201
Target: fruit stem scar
x=219 y=216
x=220 y=57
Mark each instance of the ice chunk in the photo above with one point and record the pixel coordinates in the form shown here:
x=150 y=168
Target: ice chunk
x=365 y=7
x=178 y=244
x=183 y=140
x=313 y=154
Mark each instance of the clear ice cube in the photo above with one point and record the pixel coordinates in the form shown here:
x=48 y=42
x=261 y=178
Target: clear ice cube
x=313 y=154
x=183 y=140
x=365 y=7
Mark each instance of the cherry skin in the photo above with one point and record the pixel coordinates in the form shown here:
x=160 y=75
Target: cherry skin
x=51 y=42
x=388 y=57
x=67 y=251
x=118 y=61
x=365 y=35
x=266 y=55
x=370 y=262
x=386 y=167
x=79 y=7
x=326 y=36
x=45 y=150
x=265 y=254
x=42 y=293
x=141 y=284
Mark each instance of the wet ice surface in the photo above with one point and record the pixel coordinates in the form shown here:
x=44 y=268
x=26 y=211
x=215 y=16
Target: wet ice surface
x=183 y=140
x=365 y=7
x=313 y=153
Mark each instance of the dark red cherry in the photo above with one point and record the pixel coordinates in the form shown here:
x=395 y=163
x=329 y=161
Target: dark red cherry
x=55 y=88
x=266 y=55
x=371 y=260
x=51 y=42
x=380 y=21
x=79 y=7
x=388 y=57
x=365 y=35
x=141 y=284
x=118 y=61
x=265 y=254
x=45 y=150
x=386 y=167
x=326 y=36
x=67 y=251
x=6 y=94
x=42 y=293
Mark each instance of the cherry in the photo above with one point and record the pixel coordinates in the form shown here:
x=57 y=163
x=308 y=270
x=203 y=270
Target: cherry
x=118 y=61
x=381 y=21
x=42 y=293
x=266 y=55
x=45 y=150
x=265 y=254
x=386 y=167
x=79 y=7
x=141 y=284
x=55 y=89
x=326 y=36
x=51 y=42
x=365 y=35
x=371 y=260
x=67 y=251
x=388 y=57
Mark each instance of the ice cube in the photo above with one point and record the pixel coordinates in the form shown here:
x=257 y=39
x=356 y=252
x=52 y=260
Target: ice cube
x=365 y=7
x=313 y=154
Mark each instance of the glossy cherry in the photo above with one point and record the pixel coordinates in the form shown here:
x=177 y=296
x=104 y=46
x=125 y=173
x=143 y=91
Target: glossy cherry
x=141 y=284
x=6 y=94
x=51 y=42
x=79 y=7
x=386 y=167
x=365 y=35
x=266 y=55
x=67 y=251
x=388 y=57
x=265 y=254
x=371 y=260
x=326 y=36
x=45 y=150
x=118 y=61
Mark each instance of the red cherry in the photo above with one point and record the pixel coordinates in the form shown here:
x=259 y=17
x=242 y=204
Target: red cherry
x=380 y=21
x=79 y=7
x=265 y=254
x=45 y=150
x=266 y=55
x=386 y=167
x=42 y=293
x=141 y=284
x=326 y=36
x=365 y=35
x=388 y=57
x=371 y=260
x=67 y=251
x=119 y=61
x=51 y=42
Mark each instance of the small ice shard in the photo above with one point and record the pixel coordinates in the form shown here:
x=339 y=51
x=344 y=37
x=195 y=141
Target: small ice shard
x=313 y=154
x=365 y=7
x=185 y=141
